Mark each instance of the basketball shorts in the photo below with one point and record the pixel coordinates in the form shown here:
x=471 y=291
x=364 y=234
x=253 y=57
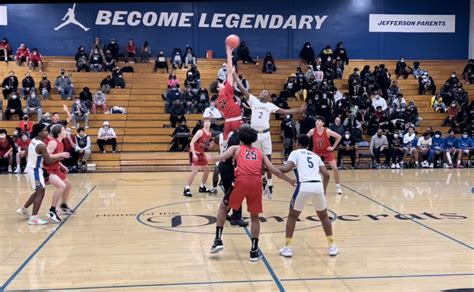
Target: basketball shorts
x=201 y=161
x=231 y=126
x=264 y=143
x=326 y=156
x=58 y=172
x=250 y=189
x=308 y=191
x=35 y=177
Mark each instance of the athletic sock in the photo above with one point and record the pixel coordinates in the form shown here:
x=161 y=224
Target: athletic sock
x=219 y=232
x=338 y=185
x=269 y=182
x=254 y=244
x=202 y=186
x=459 y=162
x=186 y=187
x=288 y=241
x=330 y=240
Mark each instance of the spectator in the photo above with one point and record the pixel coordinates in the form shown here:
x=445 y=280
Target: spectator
x=96 y=61
x=437 y=144
x=464 y=146
x=161 y=63
x=189 y=57
x=437 y=104
x=212 y=112
x=83 y=148
x=177 y=112
x=453 y=112
x=453 y=80
x=355 y=83
x=45 y=87
x=106 y=84
x=22 y=55
x=426 y=83
x=401 y=69
x=243 y=53
x=109 y=61
x=396 y=150
x=379 y=120
x=21 y=144
x=354 y=127
x=417 y=71
x=35 y=60
x=222 y=73
x=100 y=100
x=117 y=78
x=288 y=135
x=347 y=146
x=82 y=60
x=326 y=53
x=203 y=100
x=338 y=68
x=25 y=125
x=326 y=66
x=337 y=126
x=173 y=82
x=269 y=64
x=98 y=45
x=5 y=50
x=411 y=114
x=6 y=150
x=180 y=136
x=190 y=100
x=196 y=74
x=79 y=113
x=451 y=148
x=377 y=101
x=33 y=106
x=64 y=86
x=307 y=53
x=245 y=84
x=28 y=85
x=409 y=144
x=145 y=52
x=114 y=48
x=13 y=107
x=461 y=97
x=172 y=96
x=341 y=53
x=191 y=82
x=378 y=146
x=86 y=97
x=106 y=136
x=177 y=61
x=393 y=91
x=290 y=87
x=318 y=75
x=398 y=107
x=131 y=51
x=468 y=72
x=426 y=154
x=9 y=84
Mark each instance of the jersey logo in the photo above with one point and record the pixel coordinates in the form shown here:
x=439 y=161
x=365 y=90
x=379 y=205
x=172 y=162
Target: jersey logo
x=250 y=155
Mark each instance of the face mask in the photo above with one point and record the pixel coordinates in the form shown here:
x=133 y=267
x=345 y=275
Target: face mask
x=212 y=106
x=2 y=136
x=453 y=76
x=308 y=47
x=15 y=133
x=25 y=119
x=68 y=133
x=395 y=135
x=33 y=96
x=318 y=67
x=24 y=139
x=402 y=60
x=329 y=59
x=347 y=136
x=14 y=96
x=464 y=136
x=437 y=136
x=78 y=101
x=80 y=135
x=106 y=127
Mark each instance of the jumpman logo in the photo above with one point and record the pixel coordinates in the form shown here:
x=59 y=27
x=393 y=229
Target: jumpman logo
x=71 y=18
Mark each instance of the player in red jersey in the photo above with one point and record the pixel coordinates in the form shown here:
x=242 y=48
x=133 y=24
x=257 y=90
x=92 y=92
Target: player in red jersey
x=226 y=102
x=247 y=185
x=201 y=141
x=322 y=147
x=58 y=174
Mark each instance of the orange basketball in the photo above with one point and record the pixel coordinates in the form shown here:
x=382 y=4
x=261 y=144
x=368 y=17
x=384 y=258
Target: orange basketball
x=232 y=41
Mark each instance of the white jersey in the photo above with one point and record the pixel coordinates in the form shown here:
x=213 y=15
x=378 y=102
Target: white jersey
x=34 y=160
x=306 y=165
x=261 y=113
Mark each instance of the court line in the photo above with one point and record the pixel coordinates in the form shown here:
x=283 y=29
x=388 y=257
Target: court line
x=413 y=220
x=25 y=263
x=379 y=277
x=267 y=265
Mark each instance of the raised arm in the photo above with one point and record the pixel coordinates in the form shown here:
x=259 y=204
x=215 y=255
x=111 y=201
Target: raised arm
x=291 y=111
x=241 y=86
x=276 y=171
x=230 y=78
x=66 y=110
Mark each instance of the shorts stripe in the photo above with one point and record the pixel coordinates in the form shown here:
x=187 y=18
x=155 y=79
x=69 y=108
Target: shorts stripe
x=295 y=195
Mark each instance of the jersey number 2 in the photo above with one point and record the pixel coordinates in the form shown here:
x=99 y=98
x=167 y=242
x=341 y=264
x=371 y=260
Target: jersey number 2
x=250 y=155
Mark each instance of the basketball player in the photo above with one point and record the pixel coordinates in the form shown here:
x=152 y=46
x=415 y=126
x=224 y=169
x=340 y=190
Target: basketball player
x=247 y=185
x=260 y=121
x=201 y=141
x=322 y=147
x=58 y=174
x=37 y=153
x=226 y=103
x=308 y=168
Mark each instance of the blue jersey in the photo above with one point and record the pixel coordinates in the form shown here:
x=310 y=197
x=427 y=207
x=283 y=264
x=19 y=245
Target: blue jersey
x=450 y=142
x=464 y=143
x=437 y=143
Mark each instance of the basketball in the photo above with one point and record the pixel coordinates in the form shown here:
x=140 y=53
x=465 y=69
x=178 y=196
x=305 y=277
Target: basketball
x=232 y=41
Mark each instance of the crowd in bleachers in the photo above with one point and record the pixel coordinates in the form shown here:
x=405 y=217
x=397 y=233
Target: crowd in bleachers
x=374 y=114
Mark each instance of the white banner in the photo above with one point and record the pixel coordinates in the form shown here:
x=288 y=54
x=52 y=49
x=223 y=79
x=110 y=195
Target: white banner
x=412 y=23
x=3 y=15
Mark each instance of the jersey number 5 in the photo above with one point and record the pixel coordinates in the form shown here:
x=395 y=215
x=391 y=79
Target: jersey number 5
x=310 y=163
x=250 y=155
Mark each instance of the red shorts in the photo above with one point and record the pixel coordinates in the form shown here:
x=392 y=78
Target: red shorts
x=326 y=156
x=202 y=160
x=231 y=127
x=250 y=189
x=59 y=172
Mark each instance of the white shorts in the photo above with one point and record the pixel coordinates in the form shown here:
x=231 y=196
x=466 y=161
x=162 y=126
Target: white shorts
x=264 y=143
x=309 y=191
x=36 y=178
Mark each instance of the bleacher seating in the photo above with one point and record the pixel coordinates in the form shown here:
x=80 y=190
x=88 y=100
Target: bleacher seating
x=143 y=141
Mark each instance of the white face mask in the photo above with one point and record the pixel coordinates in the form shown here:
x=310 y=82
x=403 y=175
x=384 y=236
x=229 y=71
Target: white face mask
x=14 y=96
x=464 y=136
x=347 y=136
x=78 y=101
x=395 y=135
x=453 y=76
x=437 y=136
x=318 y=67
x=24 y=139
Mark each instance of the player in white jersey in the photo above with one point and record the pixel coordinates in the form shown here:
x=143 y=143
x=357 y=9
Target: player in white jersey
x=308 y=168
x=262 y=108
x=37 y=154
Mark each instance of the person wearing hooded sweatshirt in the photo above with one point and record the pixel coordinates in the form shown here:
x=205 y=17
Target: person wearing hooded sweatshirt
x=341 y=52
x=269 y=64
x=160 y=62
x=243 y=53
x=28 y=85
x=468 y=72
x=401 y=68
x=307 y=53
x=82 y=60
x=13 y=107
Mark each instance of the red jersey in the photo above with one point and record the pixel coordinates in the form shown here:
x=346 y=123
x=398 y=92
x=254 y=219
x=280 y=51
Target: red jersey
x=249 y=162
x=22 y=53
x=4 y=147
x=27 y=127
x=23 y=145
x=202 y=142
x=320 y=142
x=59 y=149
x=67 y=145
x=35 y=57
x=227 y=104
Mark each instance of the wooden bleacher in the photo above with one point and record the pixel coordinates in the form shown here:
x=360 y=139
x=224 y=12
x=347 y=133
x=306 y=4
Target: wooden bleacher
x=143 y=140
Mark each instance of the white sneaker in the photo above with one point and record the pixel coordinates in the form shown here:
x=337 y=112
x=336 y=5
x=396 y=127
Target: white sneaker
x=397 y=166
x=286 y=252
x=23 y=212
x=10 y=170
x=392 y=166
x=35 y=220
x=333 y=251
x=17 y=170
x=431 y=165
x=338 y=190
